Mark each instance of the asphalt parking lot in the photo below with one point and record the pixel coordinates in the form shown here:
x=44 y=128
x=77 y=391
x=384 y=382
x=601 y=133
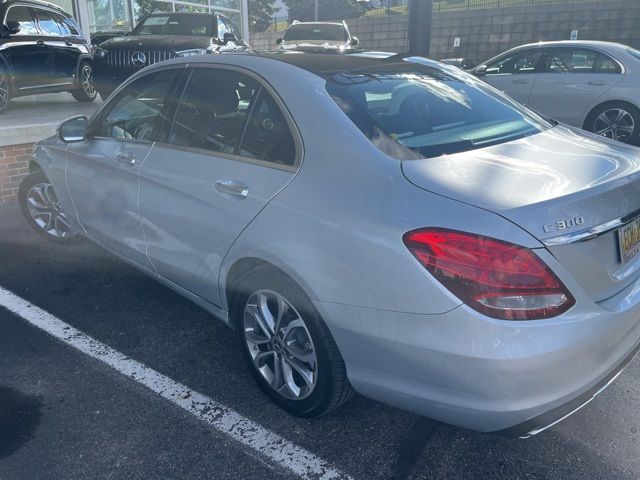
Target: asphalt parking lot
x=65 y=415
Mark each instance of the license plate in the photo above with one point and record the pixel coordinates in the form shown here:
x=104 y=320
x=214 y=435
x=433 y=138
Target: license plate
x=629 y=240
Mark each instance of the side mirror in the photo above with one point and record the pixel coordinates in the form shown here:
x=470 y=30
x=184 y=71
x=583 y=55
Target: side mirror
x=73 y=130
x=480 y=71
x=229 y=37
x=279 y=40
x=355 y=41
x=11 y=28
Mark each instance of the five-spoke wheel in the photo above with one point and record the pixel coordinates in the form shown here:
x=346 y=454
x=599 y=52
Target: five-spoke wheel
x=289 y=348
x=280 y=345
x=42 y=209
x=616 y=120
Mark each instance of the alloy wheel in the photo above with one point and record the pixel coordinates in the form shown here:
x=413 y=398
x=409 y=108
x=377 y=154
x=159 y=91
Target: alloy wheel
x=4 y=90
x=44 y=208
x=280 y=345
x=615 y=123
x=86 y=79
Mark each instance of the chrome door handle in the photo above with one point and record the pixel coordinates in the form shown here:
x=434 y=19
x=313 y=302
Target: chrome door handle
x=40 y=43
x=521 y=81
x=232 y=187
x=126 y=158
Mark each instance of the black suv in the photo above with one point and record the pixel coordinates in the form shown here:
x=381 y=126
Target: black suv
x=42 y=51
x=161 y=36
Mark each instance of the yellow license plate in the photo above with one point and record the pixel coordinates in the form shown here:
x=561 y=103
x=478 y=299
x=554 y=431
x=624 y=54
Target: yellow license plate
x=629 y=240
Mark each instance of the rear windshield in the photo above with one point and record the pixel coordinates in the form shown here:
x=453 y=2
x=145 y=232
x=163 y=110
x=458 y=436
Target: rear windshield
x=316 y=32
x=176 y=25
x=416 y=111
x=634 y=52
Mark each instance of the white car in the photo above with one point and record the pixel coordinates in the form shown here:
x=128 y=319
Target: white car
x=588 y=84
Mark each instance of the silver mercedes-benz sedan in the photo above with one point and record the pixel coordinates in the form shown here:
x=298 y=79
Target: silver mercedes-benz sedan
x=587 y=84
x=390 y=226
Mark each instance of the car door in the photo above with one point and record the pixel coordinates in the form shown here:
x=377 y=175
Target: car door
x=572 y=80
x=25 y=51
x=515 y=73
x=102 y=171
x=63 y=56
x=231 y=150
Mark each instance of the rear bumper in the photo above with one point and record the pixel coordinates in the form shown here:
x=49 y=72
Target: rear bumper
x=483 y=374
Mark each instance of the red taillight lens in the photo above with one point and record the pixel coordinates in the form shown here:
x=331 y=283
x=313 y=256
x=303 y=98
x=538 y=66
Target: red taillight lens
x=496 y=278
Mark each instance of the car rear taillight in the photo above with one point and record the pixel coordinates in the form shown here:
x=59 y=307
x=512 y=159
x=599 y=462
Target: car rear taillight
x=496 y=278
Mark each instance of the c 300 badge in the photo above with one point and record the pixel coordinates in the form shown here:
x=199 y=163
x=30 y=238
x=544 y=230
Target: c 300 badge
x=563 y=224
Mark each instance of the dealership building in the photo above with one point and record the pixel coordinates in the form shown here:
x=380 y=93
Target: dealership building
x=121 y=15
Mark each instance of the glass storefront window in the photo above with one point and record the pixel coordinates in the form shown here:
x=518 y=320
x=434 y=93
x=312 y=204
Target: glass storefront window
x=109 y=15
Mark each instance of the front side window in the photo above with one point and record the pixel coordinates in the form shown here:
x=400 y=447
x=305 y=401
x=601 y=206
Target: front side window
x=415 y=111
x=140 y=111
x=518 y=62
x=48 y=24
x=21 y=17
x=186 y=24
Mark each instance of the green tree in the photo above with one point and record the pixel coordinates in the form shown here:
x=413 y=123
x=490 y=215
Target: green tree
x=304 y=10
x=260 y=14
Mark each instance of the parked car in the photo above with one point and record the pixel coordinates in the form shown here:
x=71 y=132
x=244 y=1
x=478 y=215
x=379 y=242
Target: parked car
x=162 y=36
x=98 y=37
x=42 y=51
x=588 y=84
x=463 y=63
x=406 y=230
x=313 y=36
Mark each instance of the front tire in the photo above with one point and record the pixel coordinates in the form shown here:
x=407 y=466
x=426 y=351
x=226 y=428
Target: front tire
x=616 y=120
x=86 y=91
x=289 y=349
x=5 y=90
x=41 y=208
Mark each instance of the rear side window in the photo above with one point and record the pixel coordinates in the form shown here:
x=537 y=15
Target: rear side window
x=579 y=60
x=268 y=136
x=213 y=110
x=140 y=110
x=72 y=26
x=229 y=112
x=415 y=111
x=21 y=17
x=518 y=62
x=47 y=22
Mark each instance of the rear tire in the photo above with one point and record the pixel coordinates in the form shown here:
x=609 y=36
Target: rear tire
x=5 y=90
x=326 y=386
x=41 y=208
x=616 y=120
x=86 y=91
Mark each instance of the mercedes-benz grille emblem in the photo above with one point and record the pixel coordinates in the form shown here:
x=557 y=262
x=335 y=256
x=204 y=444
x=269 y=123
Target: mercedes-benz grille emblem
x=138 y=59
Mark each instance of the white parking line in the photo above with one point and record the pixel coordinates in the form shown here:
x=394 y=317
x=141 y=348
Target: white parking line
x=221 y=418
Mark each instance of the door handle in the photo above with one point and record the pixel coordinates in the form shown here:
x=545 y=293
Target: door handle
x=232 y=187
x=126 y=158
x=521 y=81
x=68 y=43
x=40 y=43
x=596 y=83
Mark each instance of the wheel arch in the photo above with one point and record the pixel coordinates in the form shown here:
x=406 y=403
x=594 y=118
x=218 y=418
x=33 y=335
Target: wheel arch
x=83 y=57
x=241 y=269
x=601 y=103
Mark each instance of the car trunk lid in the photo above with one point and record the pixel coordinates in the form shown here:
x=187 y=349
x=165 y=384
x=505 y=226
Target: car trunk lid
x=570 y=190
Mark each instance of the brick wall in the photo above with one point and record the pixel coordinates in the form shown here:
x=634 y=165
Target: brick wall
x=487 y=32
x=14 y=166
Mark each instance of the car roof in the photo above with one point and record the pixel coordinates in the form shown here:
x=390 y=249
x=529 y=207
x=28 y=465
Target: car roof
x=296 y=22
x=324 y=63
x=576 y=43
x=39 y=3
